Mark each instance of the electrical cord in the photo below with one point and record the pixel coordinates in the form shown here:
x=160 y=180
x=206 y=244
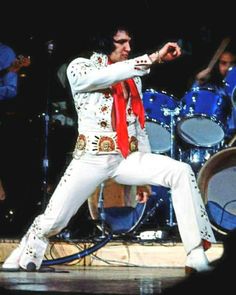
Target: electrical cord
x=80 y=254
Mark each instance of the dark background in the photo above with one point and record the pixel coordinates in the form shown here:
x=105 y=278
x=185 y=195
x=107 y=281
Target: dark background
x=30 y=27
x=199 y=27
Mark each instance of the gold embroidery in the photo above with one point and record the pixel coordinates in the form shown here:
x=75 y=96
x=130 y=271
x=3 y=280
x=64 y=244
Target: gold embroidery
x=107 y=93
x=133 y=144
x=103 y=144
x=81 y=142
x=103 y=124
x=106 y=144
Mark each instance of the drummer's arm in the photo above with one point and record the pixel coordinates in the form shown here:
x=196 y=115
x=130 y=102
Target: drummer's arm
x=203 y=76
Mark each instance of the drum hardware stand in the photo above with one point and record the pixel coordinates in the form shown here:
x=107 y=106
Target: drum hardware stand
x=171 y=113
x=231 y=142
x=50 y=48
x=101 y=210
x=148 y=215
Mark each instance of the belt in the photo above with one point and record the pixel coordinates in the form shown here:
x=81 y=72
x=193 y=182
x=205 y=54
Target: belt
x=96 y=143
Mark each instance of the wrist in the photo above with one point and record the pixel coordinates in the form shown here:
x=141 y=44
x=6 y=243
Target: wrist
x=156 y=57
x=159 y=59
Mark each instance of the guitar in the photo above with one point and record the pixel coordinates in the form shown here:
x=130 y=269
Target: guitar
x=17 y=64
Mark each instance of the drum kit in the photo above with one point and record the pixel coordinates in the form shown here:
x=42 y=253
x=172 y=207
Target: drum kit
x=200 y=139
x=192 y=130
x=199 y=123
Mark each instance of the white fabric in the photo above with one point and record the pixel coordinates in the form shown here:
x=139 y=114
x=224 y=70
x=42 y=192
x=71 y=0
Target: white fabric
x=138 y=169
x=91 y=81
x=197 y=260
x=87 y=171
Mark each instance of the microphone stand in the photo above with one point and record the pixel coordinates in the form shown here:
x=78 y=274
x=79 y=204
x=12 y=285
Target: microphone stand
x=50 y=49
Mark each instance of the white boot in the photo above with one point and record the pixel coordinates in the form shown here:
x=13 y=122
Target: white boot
x=33 y=254
x=12 y=261
x=197 y=261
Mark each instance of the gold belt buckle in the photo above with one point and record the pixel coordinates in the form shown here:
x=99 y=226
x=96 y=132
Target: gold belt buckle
x=106 y=144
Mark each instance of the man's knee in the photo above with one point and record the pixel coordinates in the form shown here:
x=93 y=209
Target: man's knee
x=183 y=172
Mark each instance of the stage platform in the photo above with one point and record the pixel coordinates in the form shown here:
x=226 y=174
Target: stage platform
x=119 y=267
x=119 y=253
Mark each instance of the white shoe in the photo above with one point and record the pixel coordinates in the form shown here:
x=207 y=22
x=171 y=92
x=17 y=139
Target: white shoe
x=197 y=261
x=12 y=261
x=32 y=256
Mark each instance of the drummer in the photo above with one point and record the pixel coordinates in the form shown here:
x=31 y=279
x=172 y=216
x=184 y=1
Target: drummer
x=213 y=78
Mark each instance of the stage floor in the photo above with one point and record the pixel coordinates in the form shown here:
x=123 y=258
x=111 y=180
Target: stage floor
x=119 y=267
x=93 y=280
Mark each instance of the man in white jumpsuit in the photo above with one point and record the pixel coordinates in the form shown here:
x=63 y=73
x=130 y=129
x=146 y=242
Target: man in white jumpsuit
x=112 y=143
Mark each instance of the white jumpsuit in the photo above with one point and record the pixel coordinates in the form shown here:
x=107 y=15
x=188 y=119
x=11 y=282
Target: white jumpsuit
x=97 y=158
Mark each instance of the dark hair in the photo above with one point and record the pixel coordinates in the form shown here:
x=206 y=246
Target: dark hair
x=216 y=77
x=102 y=41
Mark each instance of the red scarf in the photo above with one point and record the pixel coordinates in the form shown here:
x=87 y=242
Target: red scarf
x=120 y=113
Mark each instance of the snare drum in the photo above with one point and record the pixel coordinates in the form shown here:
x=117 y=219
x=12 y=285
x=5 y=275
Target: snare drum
x=156 y=105
x=203 y=117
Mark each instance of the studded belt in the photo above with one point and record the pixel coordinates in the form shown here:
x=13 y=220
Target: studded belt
x=105 y=143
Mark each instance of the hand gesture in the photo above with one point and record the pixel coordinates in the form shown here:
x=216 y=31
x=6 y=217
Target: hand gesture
x=169 y=51
x=20 y=62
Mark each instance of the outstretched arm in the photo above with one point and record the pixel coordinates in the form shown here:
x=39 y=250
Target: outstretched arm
x=168 y=52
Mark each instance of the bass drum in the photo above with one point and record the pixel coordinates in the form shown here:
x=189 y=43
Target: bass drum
x=114 y=195
x=217 y=183
x=122 y=212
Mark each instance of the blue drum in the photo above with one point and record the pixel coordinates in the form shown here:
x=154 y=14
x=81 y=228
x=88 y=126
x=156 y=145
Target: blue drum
x=230 y=81
x=156 y=105
x=203 y=117
x=197 y=156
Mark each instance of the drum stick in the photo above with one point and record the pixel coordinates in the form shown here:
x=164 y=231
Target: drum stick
x=218 y=52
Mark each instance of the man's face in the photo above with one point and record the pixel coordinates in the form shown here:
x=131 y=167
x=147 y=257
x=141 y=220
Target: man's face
x=121 y=41
x=226 y=61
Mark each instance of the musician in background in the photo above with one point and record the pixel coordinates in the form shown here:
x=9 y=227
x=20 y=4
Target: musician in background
x=8 y=78
x=213 y=78
x=8 y=90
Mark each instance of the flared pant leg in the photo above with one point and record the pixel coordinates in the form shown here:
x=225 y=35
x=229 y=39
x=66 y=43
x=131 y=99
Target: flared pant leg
x=80 y=180
x=153 y=169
